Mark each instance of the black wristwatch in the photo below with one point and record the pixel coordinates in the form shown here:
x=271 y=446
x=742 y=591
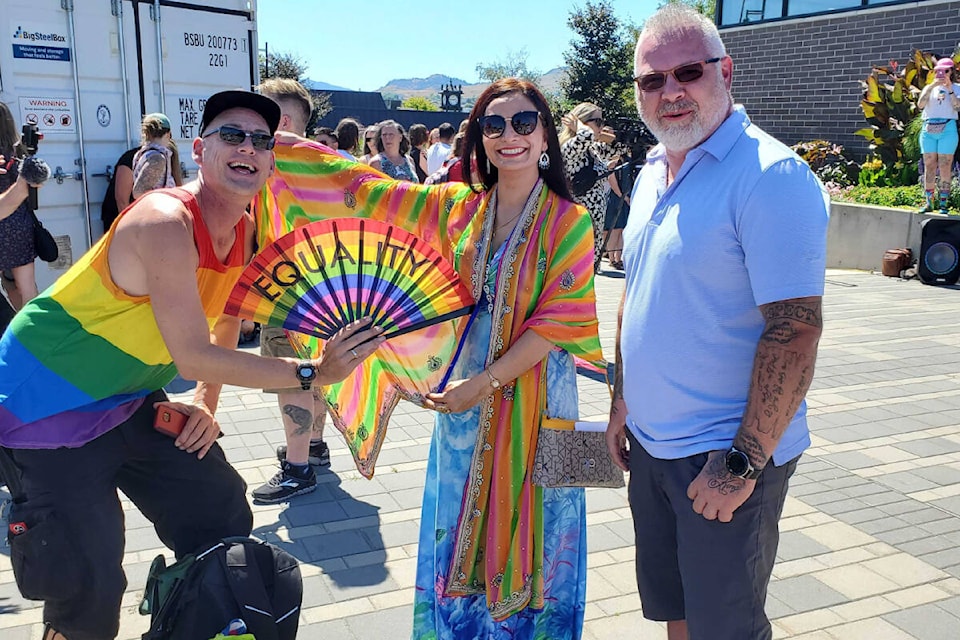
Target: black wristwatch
x=306 y=374
x=739 y=465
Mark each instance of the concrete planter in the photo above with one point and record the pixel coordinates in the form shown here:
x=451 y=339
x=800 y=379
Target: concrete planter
x=859 y=234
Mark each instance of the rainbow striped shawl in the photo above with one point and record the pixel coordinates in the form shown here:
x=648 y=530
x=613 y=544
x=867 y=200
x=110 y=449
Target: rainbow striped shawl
x=545 y=285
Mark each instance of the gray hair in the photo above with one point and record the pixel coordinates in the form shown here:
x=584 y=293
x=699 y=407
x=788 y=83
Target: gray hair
x=676 y=19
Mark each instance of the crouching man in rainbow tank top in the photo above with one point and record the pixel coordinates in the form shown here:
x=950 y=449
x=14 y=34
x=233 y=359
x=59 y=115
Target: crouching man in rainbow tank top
x=82 y=368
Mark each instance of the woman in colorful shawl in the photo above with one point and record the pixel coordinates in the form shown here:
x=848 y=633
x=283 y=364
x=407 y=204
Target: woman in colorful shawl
x=498 y=557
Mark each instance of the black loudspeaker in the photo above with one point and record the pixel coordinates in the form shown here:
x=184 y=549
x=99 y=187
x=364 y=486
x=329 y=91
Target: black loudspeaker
x=939 y=261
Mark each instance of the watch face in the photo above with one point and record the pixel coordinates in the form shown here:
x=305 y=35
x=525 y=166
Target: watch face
x=737 y=463
x=306 y=371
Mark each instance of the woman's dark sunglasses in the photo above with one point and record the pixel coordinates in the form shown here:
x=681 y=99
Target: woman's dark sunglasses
x=523 y=122
x=683 y=74
x=234 y=136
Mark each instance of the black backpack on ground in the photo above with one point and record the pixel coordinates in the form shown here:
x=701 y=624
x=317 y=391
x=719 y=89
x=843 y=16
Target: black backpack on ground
x=197 y=597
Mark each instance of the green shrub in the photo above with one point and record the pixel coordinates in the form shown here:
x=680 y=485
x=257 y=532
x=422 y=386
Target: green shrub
x=874 y=173
x=828 y=161
x=908 y=197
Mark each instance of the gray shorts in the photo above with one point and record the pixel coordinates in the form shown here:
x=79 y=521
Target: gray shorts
x=712 y=574
x=274 y=344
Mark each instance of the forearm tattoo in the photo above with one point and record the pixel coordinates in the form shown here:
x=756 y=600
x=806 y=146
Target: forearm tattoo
x=751 y=445
x=299 y=416
x=782 y=373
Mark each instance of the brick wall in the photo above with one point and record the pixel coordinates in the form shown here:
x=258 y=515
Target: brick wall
x=799 y=79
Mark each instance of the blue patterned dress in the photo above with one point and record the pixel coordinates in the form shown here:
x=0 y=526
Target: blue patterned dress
x=438 y=617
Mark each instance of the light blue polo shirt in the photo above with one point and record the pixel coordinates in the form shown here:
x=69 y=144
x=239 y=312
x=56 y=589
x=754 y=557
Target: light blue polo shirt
x=743 y=224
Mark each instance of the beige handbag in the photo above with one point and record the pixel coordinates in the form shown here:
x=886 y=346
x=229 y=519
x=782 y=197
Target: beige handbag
x=566 y=457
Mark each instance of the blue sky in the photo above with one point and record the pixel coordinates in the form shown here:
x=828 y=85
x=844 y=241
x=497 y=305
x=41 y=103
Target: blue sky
x=362 y=44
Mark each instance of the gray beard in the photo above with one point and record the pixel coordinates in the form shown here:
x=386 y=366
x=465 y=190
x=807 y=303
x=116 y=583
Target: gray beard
x=679 y=137
x=683 y=137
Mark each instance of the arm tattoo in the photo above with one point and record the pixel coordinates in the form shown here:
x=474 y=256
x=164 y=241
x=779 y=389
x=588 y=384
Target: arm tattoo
x=807 y=311
x=153 y=175
x=751 y=445
x=300 y=417
x=782 y=372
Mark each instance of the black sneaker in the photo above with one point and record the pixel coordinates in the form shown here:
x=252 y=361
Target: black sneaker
x=318 y=455
x=285 y=484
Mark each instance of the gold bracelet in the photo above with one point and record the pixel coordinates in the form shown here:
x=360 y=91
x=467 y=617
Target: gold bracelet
x=493 y=381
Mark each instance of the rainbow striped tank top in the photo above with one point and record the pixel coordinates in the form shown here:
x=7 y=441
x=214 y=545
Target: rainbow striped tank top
x=79 y=359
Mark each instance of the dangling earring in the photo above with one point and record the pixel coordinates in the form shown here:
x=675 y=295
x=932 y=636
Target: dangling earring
x=488 y=166
x=544 y=162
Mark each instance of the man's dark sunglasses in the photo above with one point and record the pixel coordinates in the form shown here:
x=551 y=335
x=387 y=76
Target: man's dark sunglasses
x=523 y=122
x=685 y=73
x=234 y=136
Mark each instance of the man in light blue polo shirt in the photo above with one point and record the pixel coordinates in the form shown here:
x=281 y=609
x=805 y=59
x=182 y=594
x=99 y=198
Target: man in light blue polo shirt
x=725 y=252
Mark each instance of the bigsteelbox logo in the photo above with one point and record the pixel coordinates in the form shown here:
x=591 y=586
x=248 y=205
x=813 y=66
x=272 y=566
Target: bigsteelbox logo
x=37 y=36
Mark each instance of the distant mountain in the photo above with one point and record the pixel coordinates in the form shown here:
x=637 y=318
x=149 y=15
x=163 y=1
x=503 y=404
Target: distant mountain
x=433 y=83
x=316 y=85
x=429 y=88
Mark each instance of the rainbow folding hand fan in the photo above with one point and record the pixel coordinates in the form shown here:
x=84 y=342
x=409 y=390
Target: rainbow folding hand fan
x=323 y=275
x=326 y=274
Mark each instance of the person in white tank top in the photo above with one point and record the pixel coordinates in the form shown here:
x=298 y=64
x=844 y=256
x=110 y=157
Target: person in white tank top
x=940 y=101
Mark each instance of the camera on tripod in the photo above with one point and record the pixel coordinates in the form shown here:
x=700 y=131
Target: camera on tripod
x=636 y=137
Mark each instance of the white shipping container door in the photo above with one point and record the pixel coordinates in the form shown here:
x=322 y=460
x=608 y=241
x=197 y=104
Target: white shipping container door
x=38 y=82
x=206 y=48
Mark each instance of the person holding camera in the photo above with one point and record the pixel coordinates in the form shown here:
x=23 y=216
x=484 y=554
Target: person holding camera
x=585 y=144
x=82 y=371
x=17 y=249
x=940 y=101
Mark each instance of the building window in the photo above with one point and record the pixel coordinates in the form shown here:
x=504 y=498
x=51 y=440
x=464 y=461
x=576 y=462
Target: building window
x=735 y=12
x=744 y=11
x=806 y=7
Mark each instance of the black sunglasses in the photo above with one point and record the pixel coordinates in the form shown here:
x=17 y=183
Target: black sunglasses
x=523 y=122
x=234 y=136
x=683 y=74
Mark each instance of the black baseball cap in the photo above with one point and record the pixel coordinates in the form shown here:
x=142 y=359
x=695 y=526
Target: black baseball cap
x=235 y=99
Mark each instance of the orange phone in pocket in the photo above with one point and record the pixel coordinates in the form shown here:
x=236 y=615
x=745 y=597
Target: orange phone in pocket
x=169 y=421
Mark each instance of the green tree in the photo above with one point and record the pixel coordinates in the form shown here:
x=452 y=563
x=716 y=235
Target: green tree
x=513 y=65
x=419 y=103
x=281 y=65
x=289 y=65
x=599 y=61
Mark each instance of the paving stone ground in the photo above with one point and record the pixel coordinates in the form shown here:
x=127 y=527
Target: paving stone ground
x=870 y=543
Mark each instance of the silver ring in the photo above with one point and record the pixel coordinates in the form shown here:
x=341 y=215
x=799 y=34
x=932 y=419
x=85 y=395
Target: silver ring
x=354 y=352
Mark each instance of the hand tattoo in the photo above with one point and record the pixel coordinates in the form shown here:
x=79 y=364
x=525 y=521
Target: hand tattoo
x=719 y=478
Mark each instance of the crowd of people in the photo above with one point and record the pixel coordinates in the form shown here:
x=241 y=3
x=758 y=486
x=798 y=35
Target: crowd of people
x=716 y=343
